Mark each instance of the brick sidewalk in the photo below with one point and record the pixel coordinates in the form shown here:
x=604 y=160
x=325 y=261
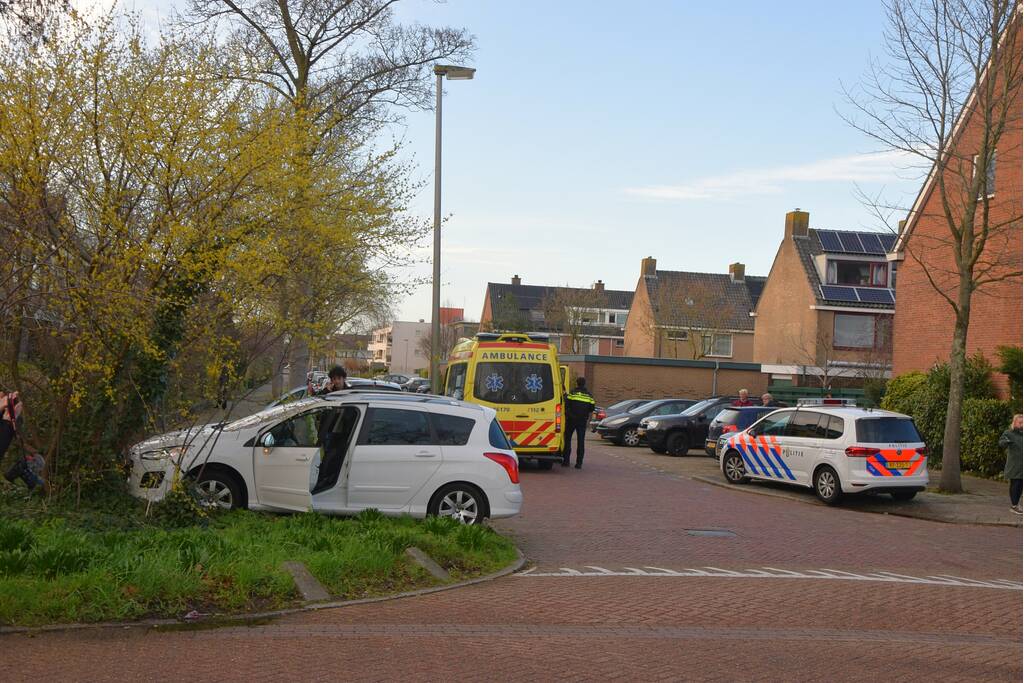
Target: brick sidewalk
x=617 y=514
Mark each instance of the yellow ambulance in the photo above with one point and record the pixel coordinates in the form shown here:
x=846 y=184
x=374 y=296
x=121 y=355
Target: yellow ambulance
x=518 y=375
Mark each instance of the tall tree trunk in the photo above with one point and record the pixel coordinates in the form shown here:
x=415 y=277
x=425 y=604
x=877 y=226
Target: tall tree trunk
x=950 y=479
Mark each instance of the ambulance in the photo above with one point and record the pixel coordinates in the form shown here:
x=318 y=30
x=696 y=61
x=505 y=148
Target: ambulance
x=518 y=375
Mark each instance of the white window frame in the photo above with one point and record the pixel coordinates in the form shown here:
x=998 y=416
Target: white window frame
x=708 y=341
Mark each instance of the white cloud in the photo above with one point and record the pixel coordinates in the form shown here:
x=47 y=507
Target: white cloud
x=861 y=168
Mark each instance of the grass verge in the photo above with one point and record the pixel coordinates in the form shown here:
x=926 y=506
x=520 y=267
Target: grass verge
x=110 y=562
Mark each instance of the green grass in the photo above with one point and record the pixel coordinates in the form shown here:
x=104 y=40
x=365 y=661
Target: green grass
x=106 y=560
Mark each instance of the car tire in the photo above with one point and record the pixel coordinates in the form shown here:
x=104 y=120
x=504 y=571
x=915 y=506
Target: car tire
x=629 y=437
x=660 y=450
x=545 y=464
x=903 y=496
x=827 y=486
x=464 y=503
x=677 y=444
x=734 y=469
x=218 y=488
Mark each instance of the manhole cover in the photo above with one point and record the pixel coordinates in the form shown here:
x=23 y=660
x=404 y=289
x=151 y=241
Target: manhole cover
x=715 y=533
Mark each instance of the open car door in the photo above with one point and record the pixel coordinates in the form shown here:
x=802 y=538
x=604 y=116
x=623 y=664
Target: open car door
x=284 y=459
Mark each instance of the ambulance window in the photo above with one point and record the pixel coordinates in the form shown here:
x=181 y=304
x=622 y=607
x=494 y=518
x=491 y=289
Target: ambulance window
x=456 y=380
x=515 y=383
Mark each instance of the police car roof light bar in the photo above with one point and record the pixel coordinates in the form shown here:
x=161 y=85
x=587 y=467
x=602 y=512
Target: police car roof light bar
x=826 y=402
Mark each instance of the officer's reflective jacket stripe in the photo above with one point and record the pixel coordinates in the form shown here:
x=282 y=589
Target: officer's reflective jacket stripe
x=578 y=405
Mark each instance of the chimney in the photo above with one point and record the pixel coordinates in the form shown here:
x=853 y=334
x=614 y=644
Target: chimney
x=796 y=223
x=736 y=272
x=599 y=286
x=516 y=280
x=649 y=266
x=903 y=224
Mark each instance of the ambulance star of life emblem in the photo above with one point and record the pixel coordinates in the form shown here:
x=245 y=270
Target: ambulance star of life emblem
x=534 y=383
x=494 y=382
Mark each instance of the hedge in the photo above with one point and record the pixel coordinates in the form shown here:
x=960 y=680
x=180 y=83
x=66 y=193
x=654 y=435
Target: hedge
x=984 y=419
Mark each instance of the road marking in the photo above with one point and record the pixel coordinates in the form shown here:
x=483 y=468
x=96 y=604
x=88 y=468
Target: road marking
x=824 y=574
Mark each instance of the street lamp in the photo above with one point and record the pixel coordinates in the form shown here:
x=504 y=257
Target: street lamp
x=453 y=73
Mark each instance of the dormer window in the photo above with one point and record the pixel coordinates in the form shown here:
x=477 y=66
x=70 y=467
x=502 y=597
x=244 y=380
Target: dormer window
x=857 y=274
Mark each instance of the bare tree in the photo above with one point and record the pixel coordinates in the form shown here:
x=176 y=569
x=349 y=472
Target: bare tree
x=349 y=62
x=946 y=96
x=684 y=315
x=571 y=311
x=31 y=19
x=506 y=316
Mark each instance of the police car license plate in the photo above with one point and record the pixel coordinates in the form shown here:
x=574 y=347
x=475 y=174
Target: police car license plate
x=898 y=465
x=710 y=444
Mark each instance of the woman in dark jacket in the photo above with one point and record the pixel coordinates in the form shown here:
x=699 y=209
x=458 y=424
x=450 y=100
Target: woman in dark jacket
x=1011 y=441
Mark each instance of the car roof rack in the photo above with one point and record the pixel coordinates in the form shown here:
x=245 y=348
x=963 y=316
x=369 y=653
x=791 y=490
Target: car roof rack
x=848 y=402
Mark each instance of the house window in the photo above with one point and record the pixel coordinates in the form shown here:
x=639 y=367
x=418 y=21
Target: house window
x=589 y=346
x=536 y=316
x=857 y=274
x=854 y=331
x=679 y=335
x=892 y=276
x=990 y=176
x=718 y=345
x=616 y=318
x=620 y=343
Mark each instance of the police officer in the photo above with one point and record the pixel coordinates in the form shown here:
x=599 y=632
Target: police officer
x=578 y=406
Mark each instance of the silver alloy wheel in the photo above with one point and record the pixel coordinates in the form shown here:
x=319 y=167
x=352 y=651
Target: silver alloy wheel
x=215 y=494
x=459 y=505
x=826 y=484
x=630 y=437
x=734 y=469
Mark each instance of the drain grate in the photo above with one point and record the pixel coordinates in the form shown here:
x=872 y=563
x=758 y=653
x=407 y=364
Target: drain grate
x=714 y=533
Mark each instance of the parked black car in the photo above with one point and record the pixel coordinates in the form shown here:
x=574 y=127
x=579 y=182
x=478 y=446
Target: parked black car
x=622 y=429
x=417 y=385
x=733 y=419
x=677 y=434
x=613 y=410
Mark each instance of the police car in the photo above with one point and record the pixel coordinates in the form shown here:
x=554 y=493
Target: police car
x=833 y=447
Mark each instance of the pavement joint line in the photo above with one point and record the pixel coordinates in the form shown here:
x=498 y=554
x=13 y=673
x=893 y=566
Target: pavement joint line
x=775 y=573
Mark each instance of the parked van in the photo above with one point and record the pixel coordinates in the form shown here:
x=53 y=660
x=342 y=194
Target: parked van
x=518 y=376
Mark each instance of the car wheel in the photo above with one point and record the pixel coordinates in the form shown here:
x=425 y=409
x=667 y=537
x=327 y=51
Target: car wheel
x=733 y=468
x=660 y=450
x=826 y=485
x=462 y=502
x=677 y=444
x=903 y=496
x=545 y=464
x=629 y=437
x=218 y=489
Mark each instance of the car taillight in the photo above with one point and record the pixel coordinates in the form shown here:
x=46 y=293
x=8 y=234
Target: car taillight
x=558 y=417
x=923 y=450
x=600 y=415
x=860 y=451
x=510 y=463
x=729 y=428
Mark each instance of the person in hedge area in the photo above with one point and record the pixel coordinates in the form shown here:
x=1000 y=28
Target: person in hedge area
x=1011 y=442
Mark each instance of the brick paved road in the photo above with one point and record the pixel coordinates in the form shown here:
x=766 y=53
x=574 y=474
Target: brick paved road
x=615 y=514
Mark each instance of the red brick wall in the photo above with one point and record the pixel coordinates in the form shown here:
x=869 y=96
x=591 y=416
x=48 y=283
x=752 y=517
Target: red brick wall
x=924 y=320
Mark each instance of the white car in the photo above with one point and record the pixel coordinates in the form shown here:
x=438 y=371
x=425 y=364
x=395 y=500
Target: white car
x=835 y=450
x=345 y=452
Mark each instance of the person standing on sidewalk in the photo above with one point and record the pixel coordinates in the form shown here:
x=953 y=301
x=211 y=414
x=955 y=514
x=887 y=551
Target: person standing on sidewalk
x=579 y=404
x=1011 y=441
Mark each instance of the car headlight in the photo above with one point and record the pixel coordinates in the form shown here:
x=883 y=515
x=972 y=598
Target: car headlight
x=653 y=424
x=164 y=453
x=616 y=421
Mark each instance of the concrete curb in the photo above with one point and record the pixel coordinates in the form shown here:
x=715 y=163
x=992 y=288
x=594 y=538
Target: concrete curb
x=223 y=620
x=757 y=490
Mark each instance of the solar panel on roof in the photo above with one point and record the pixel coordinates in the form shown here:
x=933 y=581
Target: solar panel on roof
x=851 y=242
x=872 y=245
x=887 y=241
x=830 y=241
x=837 y=293
x=875 y=295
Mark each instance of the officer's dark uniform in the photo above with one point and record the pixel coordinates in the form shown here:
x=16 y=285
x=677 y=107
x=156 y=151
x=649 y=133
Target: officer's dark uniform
x=578 y=406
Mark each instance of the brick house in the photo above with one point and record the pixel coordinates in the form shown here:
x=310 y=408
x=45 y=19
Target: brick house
x=596 y=317
x=924 y=254
x=693 y=316
x=826 y=310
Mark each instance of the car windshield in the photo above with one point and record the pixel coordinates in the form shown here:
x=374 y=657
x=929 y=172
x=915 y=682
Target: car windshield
x=887 y=430
x=643 y=407
x=698 y=407
x=621 y=404
x=267 y=415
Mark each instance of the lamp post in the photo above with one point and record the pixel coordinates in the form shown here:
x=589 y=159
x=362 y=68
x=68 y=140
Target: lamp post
x=452 y=73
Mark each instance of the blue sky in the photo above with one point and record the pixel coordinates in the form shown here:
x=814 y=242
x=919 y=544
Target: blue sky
x=597 y=133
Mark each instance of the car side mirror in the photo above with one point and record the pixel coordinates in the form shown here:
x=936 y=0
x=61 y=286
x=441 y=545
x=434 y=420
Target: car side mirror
x=267 y=441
